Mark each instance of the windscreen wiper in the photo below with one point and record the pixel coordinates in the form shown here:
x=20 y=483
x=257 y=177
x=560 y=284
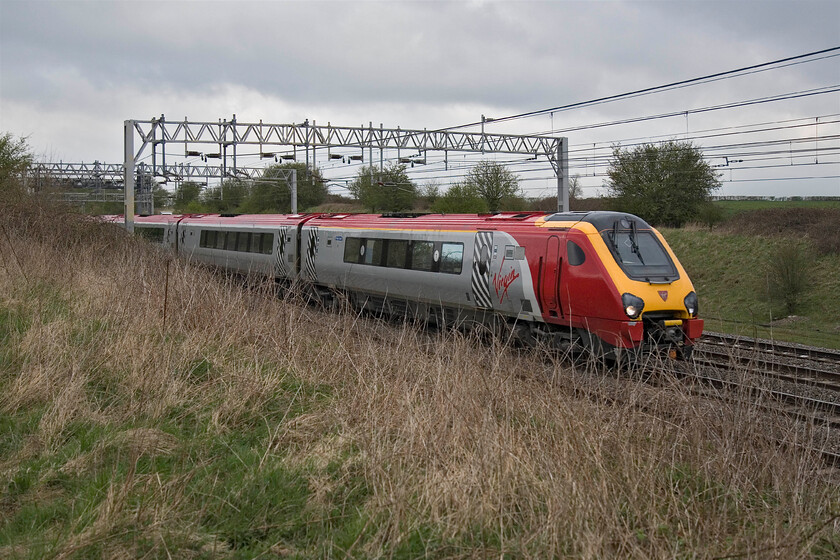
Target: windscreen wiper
x=633 y=244
x=614 y=236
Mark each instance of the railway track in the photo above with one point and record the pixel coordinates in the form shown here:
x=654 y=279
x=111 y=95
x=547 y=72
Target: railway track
x=785 y=350
x=798 y=381
x=819 y=377
x=798 y=378
x=801 y=408
x=795 y=405
x=817 y=368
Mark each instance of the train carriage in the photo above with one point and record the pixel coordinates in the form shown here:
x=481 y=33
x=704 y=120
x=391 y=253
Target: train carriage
x=246 y=244
x=603 y=280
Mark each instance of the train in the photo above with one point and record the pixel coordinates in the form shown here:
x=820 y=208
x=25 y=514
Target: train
x=606 y=282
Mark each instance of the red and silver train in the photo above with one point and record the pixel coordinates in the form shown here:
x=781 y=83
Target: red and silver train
x=605 y=281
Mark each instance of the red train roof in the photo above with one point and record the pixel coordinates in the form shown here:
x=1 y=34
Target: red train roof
x=153 y=219
x=397 y=221
x=246 y=220
x=425 y=221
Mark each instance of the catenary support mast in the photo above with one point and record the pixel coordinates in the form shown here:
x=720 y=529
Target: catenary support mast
x=130 y=159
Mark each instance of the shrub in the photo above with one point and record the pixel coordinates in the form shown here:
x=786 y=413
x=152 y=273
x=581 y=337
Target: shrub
x=710 y=214
x=787 y=276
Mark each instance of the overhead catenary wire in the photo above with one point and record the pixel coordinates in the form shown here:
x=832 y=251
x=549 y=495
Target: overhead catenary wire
x=683 y=112
x=768 y=99
x=664 y=87
x=703 y=79
x=742 y=149
x=597 y=155
x=789 y=95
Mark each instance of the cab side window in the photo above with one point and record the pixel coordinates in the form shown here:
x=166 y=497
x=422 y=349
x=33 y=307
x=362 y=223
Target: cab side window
x=576 y=256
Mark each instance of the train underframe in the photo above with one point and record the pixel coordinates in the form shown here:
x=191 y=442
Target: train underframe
x=605 y=339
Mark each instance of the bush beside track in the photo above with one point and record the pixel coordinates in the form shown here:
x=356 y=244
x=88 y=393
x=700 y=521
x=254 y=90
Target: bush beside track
x=150 y=408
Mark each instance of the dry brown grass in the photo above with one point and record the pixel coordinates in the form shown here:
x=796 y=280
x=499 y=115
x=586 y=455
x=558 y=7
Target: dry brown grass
x=817 y=224
x=459 y=448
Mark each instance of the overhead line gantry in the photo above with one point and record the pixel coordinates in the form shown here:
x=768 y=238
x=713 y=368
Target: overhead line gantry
x=100 y=175
x=228 y=135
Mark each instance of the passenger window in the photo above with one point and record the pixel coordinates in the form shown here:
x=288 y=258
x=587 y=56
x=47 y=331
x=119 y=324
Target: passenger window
x=268 y=243
x=151 y=234
x=230 y=243
x=256 y=242
x=373 y=251
x=244 y=242
x=421 y=255
x=576 y=256
x=451 y=257
x=353 y=250
x=220 y=240
x=203 y=239
x=397 y=252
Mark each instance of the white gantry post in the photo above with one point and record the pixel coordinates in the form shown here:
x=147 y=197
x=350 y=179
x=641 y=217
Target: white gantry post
x=562 y=170
x=128 y=180
x=294 y=190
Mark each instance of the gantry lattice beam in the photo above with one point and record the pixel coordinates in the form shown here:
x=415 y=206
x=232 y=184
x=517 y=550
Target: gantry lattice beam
x=227 y=135
x=96 y=170
x=115 y=172
x=99 y=175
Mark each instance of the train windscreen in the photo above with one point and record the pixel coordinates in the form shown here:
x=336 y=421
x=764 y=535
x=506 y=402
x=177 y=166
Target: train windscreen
x=641 y=255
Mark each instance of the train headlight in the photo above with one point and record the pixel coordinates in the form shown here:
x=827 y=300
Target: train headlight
x=633 y=305
x=691 y=306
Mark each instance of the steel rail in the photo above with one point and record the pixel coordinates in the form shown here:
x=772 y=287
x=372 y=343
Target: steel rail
x=794 y=373
x=787 y=349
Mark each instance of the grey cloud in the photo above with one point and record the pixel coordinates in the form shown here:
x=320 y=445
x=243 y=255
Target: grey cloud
x=105 y=58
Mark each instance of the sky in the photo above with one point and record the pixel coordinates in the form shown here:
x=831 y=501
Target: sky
x=72 y=72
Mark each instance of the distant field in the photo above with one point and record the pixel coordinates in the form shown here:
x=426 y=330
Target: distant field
x=732 y=207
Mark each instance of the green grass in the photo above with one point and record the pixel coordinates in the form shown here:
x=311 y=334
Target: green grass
x=729 y=272
x=249 y=500
x=252 y=501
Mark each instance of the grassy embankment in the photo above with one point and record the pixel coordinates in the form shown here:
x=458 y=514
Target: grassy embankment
x=146 y=414
x=731 y=270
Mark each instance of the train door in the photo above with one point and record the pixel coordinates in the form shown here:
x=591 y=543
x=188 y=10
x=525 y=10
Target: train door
x=175 y=235
x=171 y=236
x=281 y=261
x=550 y=284
x=306 y=269
x=482 y=250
